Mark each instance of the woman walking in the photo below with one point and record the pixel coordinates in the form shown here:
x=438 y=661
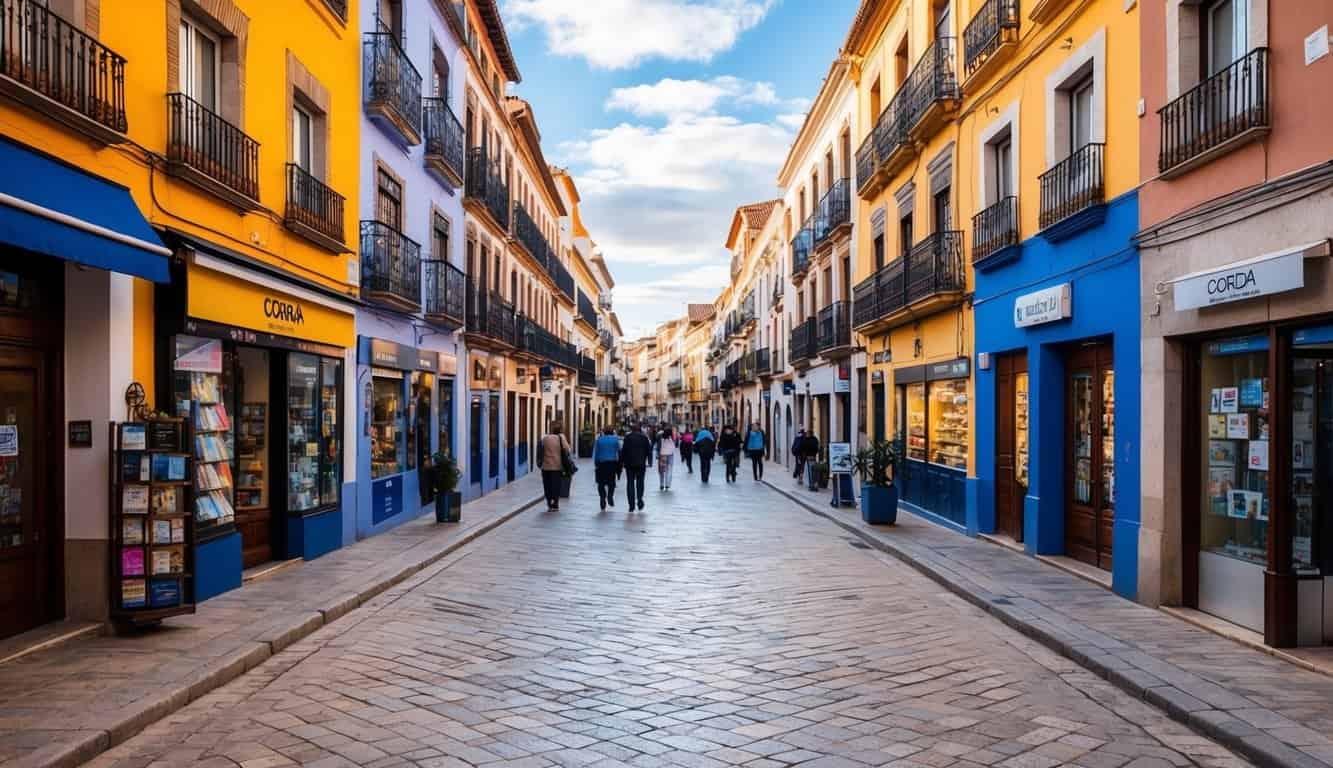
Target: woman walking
x=687 y=449
x=606 y=459
x=730 y=445
x=666 y=456
x=704 y=446
x=755 y=444
x=554 y=450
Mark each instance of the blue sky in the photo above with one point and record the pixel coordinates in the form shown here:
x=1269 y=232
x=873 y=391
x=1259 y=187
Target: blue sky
x=669 y=114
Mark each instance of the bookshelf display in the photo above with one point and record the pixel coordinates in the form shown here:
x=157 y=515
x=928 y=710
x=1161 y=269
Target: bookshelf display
x=302 y=434
x=213 y=452
x=152 y=530
x=252 y=457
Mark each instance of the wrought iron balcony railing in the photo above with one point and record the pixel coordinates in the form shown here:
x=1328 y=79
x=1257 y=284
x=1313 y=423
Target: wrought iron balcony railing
x=675 y=383
x=1073 y=185
x=561 y=274
x=779 y=287
x=488 y=315
x=867 y=162
x=528 y=234
x=484 y=185
x=994 y=228
x=933 y=267
x=763 y=361
x=606 y=340
x=747 y=370
x=312 y=207
x=934 y=79
x=608 y=385
x=891 y=126
x=745 y=312
x=835 y=329
x=392 y=84
x=834 y=211
x=444 y=138
x=446 y=292
x=803 y=341
x=986 y=32
x=1223 y=107
x=201 y=140
x=46 y=54
x=390 y=267
x=587 y=312
x=801 y=247
x=587 y=372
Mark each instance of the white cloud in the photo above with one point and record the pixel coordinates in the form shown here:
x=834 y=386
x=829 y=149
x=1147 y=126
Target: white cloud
x=793 y=121
x=671 y=97
x=617 y=34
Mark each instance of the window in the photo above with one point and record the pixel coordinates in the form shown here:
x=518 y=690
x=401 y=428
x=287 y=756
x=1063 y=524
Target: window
x=875 y=99
x=439 y=242
x=389 y=200
x=941 y=24
x=1080 y=114
x=200 y=60
x=388 y=433
x=390 y=15
x=1000 y=158
x=901 y=64
x=905 y=234
x=439 y=76
x=1226 y=33
x=302 y=139
x=942 y=210
x=879 y=251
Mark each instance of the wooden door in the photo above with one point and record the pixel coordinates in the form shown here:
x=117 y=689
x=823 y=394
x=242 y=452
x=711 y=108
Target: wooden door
x=1090 y=454
x=24 y=524
x=1011 y=438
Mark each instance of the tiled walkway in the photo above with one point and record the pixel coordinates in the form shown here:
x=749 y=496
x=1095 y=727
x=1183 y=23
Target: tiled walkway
x=69 y=703
x=1275 y=712
x=720 y=626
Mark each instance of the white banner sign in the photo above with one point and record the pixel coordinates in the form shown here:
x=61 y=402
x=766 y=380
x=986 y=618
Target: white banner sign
x=1044 y=306
x=1242 y=280
x=840 y=458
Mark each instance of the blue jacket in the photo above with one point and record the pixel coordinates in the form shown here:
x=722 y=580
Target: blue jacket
x=754 y=440
x=607 y=448
x=702 y=435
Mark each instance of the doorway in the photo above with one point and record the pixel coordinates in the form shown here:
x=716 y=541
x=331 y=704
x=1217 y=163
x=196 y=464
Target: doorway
x=254 y=385
x=510 y=443
x=25 y=575
x=1312 y=491
x=1011 y=443
x=1090 y=454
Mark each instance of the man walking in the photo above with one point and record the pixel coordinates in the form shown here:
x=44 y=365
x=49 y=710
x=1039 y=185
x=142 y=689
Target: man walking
x=635 y=455
x=730 y=445
x=704 y=446
x=606 y=461
x=798 y=453
x=755 y=444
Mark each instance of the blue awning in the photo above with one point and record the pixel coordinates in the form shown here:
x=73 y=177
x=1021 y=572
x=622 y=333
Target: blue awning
x=53 y=208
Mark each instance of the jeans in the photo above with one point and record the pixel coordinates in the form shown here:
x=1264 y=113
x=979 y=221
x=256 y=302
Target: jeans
x=705 y=466
x=606 y=481
x=664 y=467
x=800 y=468
x=634 y=484
x=688 y=458
x=733 y=460
x=757 y=464
x=551 y=486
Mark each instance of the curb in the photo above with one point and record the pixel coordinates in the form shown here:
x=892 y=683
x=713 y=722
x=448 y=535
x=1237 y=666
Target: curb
x=222 y=670
x=1217 y=724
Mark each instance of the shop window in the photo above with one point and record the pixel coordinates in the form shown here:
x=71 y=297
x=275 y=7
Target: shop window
x=303 y=455
x=494 y=441
x=419 y=439
x=1235 y=424
x=912 y=420
x=446 y=436
x=388 y=438
x=330 y=438
x=948 y=423
x=474 y=438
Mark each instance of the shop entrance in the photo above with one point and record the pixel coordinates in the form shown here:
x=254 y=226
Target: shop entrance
x=254 y=515
x=1312 y=490
x=510 y=443
x=1011 y=442
x=1090 y=454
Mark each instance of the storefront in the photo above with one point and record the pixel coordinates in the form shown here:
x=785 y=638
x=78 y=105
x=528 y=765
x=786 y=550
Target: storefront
x=933 y=407
x=257 y=366
x=486 y=372
x=521 y=401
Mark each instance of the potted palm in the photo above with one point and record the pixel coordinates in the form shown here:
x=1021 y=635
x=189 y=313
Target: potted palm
x=586 y=439
x=879 y=497
x=448 y=501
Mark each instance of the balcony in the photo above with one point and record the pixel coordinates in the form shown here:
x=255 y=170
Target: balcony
x=390 y=267
x=314 y=211
x=53 y=67
x=339 y=7
x=609 y=385
x=929 y=278
x=763 y=362
x=445 y=153
x=587 y=372
x=745 y=371
x=803 y=343
x=526 y=232
x=606 y=340
x=732 y=378
x=933 y=89
x=892 y=149
x=392 y=86
x=834 y=215
x=562 y=277
x=779 y=288
x=835 y=329
x=484 y=189
x=446 y=294
x=587 y=312
x=995 y=234
x=675 y=384
x=489 y=319
x=801 y=248
x=211 y=153
x=714 y=385
x=989 y=39
x=867 y=161
x=1073 y=193
x=745 y=314
x=1219 y=114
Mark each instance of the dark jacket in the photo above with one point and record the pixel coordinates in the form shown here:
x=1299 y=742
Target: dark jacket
x=637 y=450
x=730 y=441
x=705 y=448
x=811 y=447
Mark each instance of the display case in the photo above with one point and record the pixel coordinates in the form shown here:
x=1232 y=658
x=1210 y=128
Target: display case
x=948 y=416
x=1235 y=425
x=1108 y=438
x=388 y=439
x=303 y=456
x=915 y=420
x=330 y=438
x=252 y=457
x=213 y=451
x=1021 y=429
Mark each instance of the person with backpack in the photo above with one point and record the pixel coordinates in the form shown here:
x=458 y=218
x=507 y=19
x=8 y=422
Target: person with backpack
x=755 y=443
x=634 y=456
x=606 y=462
x=730 y=446
x=704 y=446
x=687 y=449
x=666 y=456
x=554 y=462
x=798 y=454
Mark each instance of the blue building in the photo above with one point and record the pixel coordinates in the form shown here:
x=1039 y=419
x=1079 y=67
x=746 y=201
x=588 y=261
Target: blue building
x=1057 y=391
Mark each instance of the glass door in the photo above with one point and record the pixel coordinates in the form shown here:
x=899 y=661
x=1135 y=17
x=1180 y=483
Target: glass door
x=1090 y=484
x=22 y=513
x=330 y=439
x=302 y=433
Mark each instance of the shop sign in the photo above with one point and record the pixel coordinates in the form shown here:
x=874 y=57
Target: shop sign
x=788 y=387
x=882 y=356
x=427 y=361
x=388 y=354
x=840 y=458
x=81 y=434
x=229 y=300
x=448 y=364
x=386 y=499
x=842 y=385
x=1311 y=336
x=1274 y=273
x=477 y=375
x=877 y=377
x=954 y=369
x=1045 y=306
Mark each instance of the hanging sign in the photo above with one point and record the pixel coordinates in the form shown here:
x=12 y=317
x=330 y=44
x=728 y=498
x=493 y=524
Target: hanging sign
x=1045 y=306
x=1271 y=273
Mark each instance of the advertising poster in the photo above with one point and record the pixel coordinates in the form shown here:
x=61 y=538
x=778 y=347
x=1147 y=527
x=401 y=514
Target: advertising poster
x=840 y=458
x=1230 y=399
x=1258 y=457
x=1238 y=426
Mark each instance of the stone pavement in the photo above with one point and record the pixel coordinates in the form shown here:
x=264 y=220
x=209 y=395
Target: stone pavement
x=721 y=626
x=1275 y=713
x=64 y=705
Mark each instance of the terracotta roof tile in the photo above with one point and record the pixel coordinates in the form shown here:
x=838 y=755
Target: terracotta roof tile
x=699 y=313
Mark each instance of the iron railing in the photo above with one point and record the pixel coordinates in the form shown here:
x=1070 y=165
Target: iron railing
x=608 y=385
x=835 y=330
x=526 y=231
x=779 y=287
x=444 y=134
x=763 y=361
x=933 y=266
x=446 y=291
x=202 y=140
x=606 y=340
x=1073 y=184
x=392 y=83
x=312 y=204
x=47 y=54
x=801 y=247
x=745 y=312
x=1218 y=109
x=994 y=228
x=803 y=341
x=986 y=31
x=891 y=127
x=487 y=314
x=867 y=162
x=563 y=279
x=587 y=371
x=675 y=383
x=745 y=372
x=484 y=184
x=933 y=79
x=587 y=312
x=390 y=265
x=835 y=210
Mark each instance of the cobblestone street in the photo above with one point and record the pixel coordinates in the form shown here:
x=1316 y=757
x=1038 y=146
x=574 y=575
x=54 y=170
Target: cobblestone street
x=721 y=626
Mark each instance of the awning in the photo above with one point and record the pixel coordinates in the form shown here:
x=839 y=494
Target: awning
x=53 y=208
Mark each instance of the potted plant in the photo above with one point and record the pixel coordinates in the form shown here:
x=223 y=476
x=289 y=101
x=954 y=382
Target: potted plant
x=879 y=496
x=448 y=501
x=820 y=475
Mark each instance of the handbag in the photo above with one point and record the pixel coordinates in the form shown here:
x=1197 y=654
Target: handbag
x=567 y=465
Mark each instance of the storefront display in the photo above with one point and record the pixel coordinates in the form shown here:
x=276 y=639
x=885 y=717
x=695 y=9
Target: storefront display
x=202 y=394
x=252 y=457
x=934 y=426
x=948 y=423
x=1235 y=397
x=915 y=419
x=388 y=440
x=1021 y=429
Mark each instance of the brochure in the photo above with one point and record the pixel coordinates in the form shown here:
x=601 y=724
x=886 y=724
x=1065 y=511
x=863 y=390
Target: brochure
x=131 y=561
x=133 y=437
x=1238 y=426
x=165 y=593
x=132 y=594
x=131 y=530
x=134 y=499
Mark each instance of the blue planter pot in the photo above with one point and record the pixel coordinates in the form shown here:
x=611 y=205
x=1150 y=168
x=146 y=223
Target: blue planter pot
x=879 y=506
x=448 y=507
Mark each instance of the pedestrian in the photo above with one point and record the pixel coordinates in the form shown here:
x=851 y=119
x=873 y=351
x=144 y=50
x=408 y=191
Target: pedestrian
x=798 y=454
x=634 y=456
x=811 y=449
x=704 y=446
x=606 y=460
x=666 y=456
x=554 y=455
x=755 y=443
x=687 y=449
x=730 y=446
